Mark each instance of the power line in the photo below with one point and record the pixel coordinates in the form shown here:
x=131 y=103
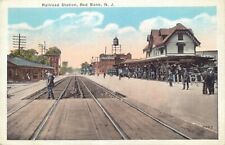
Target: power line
x=43 y=47
x=19 y=42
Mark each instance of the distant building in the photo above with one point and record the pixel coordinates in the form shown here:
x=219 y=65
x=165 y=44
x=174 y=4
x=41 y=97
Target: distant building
x=19 y=69
x=54 y=61
x=109 y=61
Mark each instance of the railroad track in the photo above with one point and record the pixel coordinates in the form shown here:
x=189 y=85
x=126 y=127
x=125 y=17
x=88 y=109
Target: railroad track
x=89 y=85
x=106 y=113
x=65 y=82
x=31 y=98
x=20 y=90
x=51 y=109
x=98 y=113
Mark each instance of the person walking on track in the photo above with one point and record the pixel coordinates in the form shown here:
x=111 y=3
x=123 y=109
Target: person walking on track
x=50 y=85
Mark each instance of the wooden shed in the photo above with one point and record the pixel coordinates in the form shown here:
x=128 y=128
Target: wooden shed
x=19 y=69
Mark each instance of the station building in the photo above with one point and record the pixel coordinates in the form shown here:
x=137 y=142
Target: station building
x=19 y=69
x=168 y=48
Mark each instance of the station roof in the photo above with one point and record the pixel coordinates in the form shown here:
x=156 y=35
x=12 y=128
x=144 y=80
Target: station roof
x=164 y=58
x=25 y=63
x=159 y=37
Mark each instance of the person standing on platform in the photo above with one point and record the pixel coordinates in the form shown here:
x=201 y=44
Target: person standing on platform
x=50 y=85
x=170 y=78
x=28 y=76
x=120 y=73
x=185 y=78
x=104 y=75
x=204 y=77
x=211 y=81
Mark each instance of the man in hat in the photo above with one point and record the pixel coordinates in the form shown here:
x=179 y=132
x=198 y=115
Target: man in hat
x=185 y=78
x=50 y=85
x=210 y=81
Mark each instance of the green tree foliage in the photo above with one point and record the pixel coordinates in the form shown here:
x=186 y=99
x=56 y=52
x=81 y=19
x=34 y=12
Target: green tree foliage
x=30 y=54
x=53 y=51
x=42 y=59
x=85 y=67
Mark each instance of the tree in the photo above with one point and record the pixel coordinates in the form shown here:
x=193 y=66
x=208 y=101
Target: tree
x=30 y=55
x=53 y=51
x=85 y=67
x=42 y=59
x=27 y=54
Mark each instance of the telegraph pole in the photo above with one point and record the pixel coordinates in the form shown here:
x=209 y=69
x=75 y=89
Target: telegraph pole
x=43 y=47
x=19 y=42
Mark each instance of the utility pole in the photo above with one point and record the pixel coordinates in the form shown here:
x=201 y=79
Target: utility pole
x=19 y=42
x=105 y=49
x=43 y=47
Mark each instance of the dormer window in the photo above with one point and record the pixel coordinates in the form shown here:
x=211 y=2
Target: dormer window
x=180 y=36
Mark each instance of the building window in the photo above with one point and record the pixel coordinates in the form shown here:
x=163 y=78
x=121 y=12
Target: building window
x=161 y=51
x=180 y=49
x=180 y=36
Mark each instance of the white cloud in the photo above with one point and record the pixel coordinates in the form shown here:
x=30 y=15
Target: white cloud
x=154 y=23
x=200 y=23
x=127 y=30
x=67 y=15
x=87 y=19
x=114 y=29
x=21 y=26
x=91 y=18
x=85 y=31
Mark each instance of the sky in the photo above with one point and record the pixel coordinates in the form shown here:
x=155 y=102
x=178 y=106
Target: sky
x=83 y=33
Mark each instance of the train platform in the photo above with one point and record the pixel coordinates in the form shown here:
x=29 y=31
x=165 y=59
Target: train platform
x=189 y=105
x=18 y=91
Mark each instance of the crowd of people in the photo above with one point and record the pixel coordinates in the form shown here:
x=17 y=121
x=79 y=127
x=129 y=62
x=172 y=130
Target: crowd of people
x=172 y=74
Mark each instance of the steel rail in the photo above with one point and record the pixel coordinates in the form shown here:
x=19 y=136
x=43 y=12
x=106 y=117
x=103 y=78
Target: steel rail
x=145 y=113
x=118 y=129
x=41 y=93
x=79 y=89
x=43 y=122
x=43 y=89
